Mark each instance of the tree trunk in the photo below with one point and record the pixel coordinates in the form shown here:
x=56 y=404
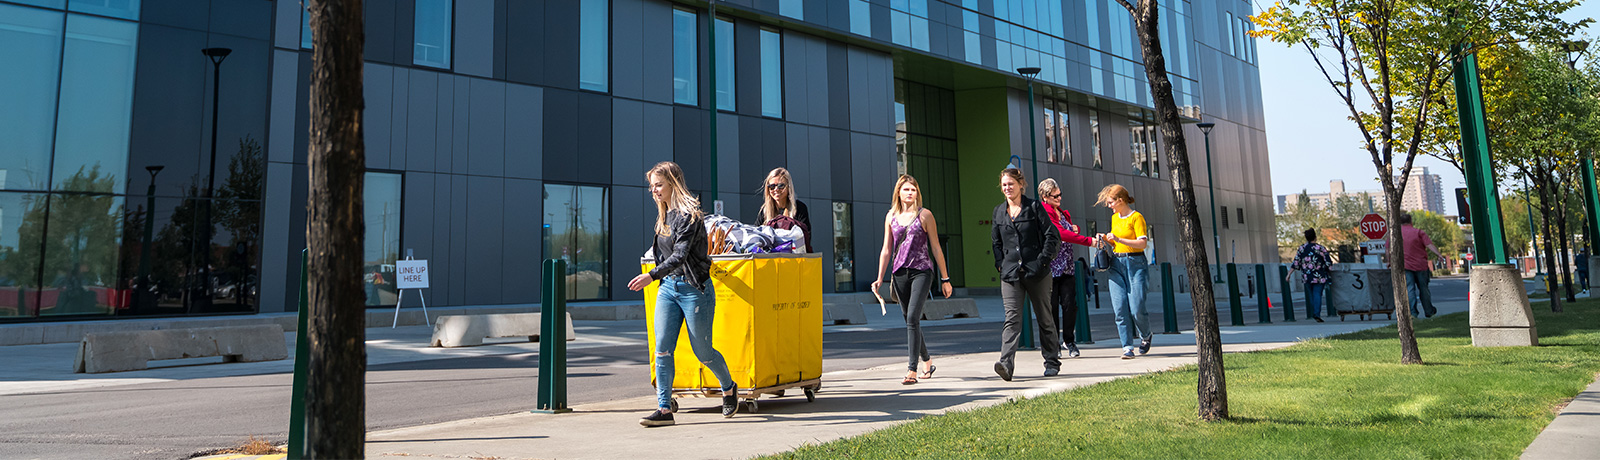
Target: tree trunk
x=335 y=385
x=1542 y=183
x=1212 y=386
x=1409 y=353
x=1561 y=230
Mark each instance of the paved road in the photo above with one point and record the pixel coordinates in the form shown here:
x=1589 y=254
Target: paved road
x=173 y=419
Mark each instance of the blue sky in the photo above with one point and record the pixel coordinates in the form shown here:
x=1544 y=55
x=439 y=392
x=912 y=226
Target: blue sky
x=1309 y=139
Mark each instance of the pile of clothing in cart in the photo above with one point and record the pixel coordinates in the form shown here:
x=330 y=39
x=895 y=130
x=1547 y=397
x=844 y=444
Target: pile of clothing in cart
x=728 y=236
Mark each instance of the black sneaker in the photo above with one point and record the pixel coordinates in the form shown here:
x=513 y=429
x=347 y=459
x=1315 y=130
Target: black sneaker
x=1003 y=370
x=730 y=405
x=1072 y=349
x=1319 y=319
x=1144 y=345
x=1051 y=372
x=657 y=418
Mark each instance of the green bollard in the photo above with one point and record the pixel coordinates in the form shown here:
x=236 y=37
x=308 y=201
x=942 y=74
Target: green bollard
x=302 y=358
x=553 y=339
x=1263 y=313
x=1083 y=275
x=1235 y=305
x=1288 y=295
x=1169 y=302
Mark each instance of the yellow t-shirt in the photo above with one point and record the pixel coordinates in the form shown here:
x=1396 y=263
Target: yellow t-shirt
x=1128 y=228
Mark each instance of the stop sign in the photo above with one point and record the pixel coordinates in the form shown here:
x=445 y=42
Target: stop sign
x=1373 y=226
x=1467 y=257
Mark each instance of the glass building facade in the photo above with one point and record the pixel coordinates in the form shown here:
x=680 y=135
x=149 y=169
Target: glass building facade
x=502 y=133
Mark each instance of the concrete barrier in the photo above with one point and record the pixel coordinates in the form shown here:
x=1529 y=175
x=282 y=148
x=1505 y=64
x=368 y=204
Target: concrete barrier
x=470 y=330
x=606 y=312
x=133 y=350
x=1498 y=308
x=959 y=307
x=834 y=314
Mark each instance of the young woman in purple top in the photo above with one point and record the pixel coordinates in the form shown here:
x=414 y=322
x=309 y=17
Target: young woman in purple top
x=906 y=242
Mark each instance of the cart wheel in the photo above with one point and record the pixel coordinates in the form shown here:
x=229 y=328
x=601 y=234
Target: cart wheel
x=811 y=395
x=753 y=406
x=779 y=394
x=674 y=405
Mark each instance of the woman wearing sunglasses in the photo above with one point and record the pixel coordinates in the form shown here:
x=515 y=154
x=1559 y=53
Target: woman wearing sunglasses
x=780 y=201
x=1063 y=292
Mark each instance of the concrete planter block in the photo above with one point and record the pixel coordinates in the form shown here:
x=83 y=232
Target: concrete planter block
x=470 y=330
x=1498 y=305
x=844 y=313
x=606 y=312
x=133 y=350
x=962 y=307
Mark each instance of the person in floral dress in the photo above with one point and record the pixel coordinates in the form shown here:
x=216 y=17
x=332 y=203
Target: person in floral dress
x=1313 y=261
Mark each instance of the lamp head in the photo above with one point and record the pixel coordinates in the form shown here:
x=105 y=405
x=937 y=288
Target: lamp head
x=1029 y=72
x=154 y=169
x=217 y=54
x=1206 y=127
x=1574 y=49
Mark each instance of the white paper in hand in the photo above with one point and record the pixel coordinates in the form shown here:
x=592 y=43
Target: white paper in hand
x=882 y=310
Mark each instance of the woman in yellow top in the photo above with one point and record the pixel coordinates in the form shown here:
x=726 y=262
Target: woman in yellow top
x=1127 y=271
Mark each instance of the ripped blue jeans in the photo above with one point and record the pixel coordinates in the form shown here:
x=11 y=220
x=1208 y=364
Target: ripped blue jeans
x=678 y=303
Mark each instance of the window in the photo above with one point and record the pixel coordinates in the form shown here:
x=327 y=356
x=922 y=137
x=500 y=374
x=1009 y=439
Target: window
x=771 y=73
x=843 y=249
x=1233 y=29
x=1240 y=212
x=860 y=18
x=1049 y=131
x=1225 y=217
x=1146 y=157
x=28 y=93
x=432 y=44
x=792 y=8
x=725 y=65
x=381 y=209
x=1063 y=134
x=685 y=49
x=305 y=28
x=594 y=52
x=125 y=9
x=96 y=105
x=577 y=229
x=1094 y=135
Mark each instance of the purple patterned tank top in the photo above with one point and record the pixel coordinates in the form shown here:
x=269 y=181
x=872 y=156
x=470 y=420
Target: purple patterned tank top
x=911 y=250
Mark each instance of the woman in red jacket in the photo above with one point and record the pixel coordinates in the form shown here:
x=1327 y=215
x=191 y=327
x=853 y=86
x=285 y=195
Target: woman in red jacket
x=1063 y=292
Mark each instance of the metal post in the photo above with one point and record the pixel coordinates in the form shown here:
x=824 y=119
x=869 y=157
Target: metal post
x=143 y=297
x=1288 y=294
x=1235 y=305
x=1033 y=142
x=1084 y=276
x=1590 y=199
x=1169 y=301
x=302 y=359
x=711 y=55
x=216 y=55
x=1262 y=302
x=1485 y=202
x=553 y=339
x=1211 y=183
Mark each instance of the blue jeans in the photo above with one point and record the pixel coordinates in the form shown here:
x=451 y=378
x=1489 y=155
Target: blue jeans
x=1417 y=291
x=1314 y=294
x=1127 y=299
x=677 y=303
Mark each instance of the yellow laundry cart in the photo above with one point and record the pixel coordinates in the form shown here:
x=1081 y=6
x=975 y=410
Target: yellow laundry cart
x=768 y=327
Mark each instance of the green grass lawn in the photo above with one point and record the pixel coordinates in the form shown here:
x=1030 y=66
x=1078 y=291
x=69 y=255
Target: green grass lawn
x=1341 y=397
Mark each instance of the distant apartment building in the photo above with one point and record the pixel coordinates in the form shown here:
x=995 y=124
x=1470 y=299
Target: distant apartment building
x=1424 y=192
x=1326 y=200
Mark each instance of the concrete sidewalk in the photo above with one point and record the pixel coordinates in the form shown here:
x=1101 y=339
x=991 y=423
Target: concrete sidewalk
x=1575 y=433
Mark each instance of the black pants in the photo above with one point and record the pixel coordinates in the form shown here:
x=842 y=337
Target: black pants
x=1064 y=304
x=911 y=286
x=1037 y=291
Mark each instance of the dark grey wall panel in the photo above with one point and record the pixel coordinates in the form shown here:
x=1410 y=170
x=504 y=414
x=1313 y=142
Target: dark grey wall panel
x=524 y=151
x=797 y=158
x=594 y=138
x=376 y=120
x=775 y=148
x=750 y=142
x=689 y=146
x=816 y=74
x=560 y=45
x=880 y=76
x=486 y=210
x=627 y=49
x=417 y=229
x=747 y=68
x=280 y=135
x=441 y=256
x=818 y=164
x=840 y=165
x=170 y=112
x=658 y=141
x=275 y=253
x=379 y=26
x=461 y=134
x=839 y=80
x=729 y=155
x=422 y=121
x=521 y=263
x=656 y=36
x=398 y=133
x=560 y=149
x=487 y=130
x=174 y=13
x=525 y=42
x=445 y=123
x=632 y=216
x=460 y=233
x=244 y=18
x=405 y=32
x=474 y=38
x=500 y=36
x=302 y=111
x=627 y=142
x=796 y=92
x=858 y=73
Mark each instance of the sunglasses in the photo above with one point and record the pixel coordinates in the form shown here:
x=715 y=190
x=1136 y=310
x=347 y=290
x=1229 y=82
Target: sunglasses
x=778 y=186
x=1053 y=195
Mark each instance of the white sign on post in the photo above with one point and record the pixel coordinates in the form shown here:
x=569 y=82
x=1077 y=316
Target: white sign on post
x=716 y=207
x=413 y=274
x=1376 y=247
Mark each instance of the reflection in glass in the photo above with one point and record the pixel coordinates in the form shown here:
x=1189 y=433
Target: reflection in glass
x=577 y=230
x=844 y=254
x=21 y=216
x=594 y=54
x=771 y=73
x=96 y=103
x=125 y=9
x=432 y=26
x=860 y=18
x=792 y=8
x=725 y=64
x=684 y=58
x=28 y=96
x=81 y=238
x=1063 y=134
x=1094 y=135
x=1049 y=131
x=305 y=28
x=381 y=210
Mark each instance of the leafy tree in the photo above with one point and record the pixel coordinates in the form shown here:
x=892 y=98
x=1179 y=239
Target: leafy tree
x=1388 y=61
x=239 y=210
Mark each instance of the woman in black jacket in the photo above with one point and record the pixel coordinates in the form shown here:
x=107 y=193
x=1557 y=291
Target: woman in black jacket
x=1024 y=241
x=685 y=295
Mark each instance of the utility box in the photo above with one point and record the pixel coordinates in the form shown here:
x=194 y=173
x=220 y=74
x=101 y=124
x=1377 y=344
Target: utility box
x=1360 y=289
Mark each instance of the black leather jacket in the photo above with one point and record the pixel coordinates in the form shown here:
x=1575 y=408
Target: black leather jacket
x=685 y=251
x=1024 y=246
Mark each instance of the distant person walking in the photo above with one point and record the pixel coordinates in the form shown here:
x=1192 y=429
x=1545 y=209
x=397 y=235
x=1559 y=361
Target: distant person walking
x=1418 y=271
x=1313 y=262
x=1128 y=268
x=1583 y=270
x=909 y=231
x=685 y=295
x=1024 y=242
x=1064 y=284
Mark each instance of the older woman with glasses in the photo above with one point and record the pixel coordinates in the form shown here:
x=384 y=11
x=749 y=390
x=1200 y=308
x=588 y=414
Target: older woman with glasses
x=1064 y=286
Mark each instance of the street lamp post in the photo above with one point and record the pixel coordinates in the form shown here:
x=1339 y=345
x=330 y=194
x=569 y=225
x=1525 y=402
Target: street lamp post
x=146 y=300
x=216 y=55
x=1211 y=183
x=1574 y=49
x=1029 y=73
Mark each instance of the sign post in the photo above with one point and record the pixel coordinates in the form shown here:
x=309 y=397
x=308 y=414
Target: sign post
x=411 y=274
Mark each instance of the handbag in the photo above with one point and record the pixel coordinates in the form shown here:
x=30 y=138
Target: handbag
x=1102 y=258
